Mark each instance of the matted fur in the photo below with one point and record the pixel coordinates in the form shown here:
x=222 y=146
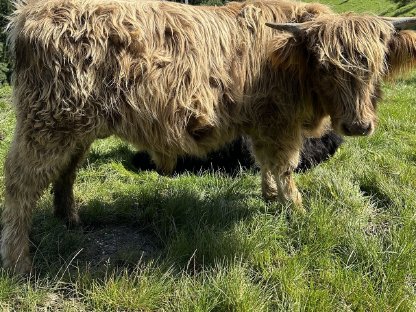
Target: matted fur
x=174 y=79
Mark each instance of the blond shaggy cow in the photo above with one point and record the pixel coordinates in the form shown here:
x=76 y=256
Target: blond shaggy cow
x=175 y=79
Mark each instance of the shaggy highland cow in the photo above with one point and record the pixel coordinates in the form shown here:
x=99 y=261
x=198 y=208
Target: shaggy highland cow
x=236 y=156
x=181 y=80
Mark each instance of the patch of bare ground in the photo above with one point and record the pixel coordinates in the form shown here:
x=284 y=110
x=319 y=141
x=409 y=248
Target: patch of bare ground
x=117 y=245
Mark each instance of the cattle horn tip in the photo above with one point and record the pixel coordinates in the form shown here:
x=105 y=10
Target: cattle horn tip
x=295 y=28
x=401 y=22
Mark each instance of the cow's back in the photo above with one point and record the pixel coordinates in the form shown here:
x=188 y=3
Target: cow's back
x=163 y=75
x=154 y=72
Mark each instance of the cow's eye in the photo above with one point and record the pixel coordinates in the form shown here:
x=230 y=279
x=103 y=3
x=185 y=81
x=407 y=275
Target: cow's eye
x=344 y=57
x=363 y=60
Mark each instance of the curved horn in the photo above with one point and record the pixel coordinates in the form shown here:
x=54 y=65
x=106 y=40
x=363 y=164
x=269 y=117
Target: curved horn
x=401 y=22
x=295 y=28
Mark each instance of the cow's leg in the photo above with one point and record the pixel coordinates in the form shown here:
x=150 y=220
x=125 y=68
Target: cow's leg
x=28 y=171
x=64 y=203
x=165 y=164
x=288 y=191
x=268 y=184
x=277 y=163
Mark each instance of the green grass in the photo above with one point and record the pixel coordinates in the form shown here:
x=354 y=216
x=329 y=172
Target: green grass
x=210 y=243
x=381 y=7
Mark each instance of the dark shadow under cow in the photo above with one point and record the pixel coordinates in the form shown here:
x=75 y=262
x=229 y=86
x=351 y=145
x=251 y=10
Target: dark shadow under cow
x=236 y=156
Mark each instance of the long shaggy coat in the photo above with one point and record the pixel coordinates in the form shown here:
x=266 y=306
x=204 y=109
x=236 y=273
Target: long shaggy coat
x=174 y=80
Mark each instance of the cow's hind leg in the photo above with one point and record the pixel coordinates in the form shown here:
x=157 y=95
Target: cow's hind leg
x=29 y=169
x=63 y=200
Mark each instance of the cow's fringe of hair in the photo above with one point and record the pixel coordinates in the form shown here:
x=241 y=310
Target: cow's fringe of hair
x=335 y=32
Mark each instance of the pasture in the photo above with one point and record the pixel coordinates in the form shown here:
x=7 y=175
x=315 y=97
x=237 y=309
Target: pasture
x=209 y=242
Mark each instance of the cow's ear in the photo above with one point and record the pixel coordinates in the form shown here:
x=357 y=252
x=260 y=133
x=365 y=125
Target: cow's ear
x=288 y=51
x=401 y=55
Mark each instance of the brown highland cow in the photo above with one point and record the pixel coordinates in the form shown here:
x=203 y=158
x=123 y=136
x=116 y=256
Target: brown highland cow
x=175 y=79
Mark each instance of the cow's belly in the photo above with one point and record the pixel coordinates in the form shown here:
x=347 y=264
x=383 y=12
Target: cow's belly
x=173 y=137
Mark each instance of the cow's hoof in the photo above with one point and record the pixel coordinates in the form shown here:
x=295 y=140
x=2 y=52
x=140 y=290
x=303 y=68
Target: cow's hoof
x=297 y=204
x=298 y=208
x=73 y=222
x=69 y=216
x=271 y=196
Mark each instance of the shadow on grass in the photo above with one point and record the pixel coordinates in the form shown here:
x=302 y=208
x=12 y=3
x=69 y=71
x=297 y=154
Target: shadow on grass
x=169 y=228
x=412 y=159
x=379 y=198
x=402 y=2
x=122 y=153
x=222 y=161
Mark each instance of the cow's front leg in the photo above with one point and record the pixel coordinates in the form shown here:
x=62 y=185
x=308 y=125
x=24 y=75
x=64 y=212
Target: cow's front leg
x=278 y=184
x=288 y=192
x=268 y=185
x=277 y=164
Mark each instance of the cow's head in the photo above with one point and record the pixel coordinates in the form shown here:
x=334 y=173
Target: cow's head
x=344 y=58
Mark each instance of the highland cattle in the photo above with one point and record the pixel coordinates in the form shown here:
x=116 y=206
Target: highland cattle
x=179 y=80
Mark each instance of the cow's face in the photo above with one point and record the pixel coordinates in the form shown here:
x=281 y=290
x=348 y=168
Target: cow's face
x=344 y=59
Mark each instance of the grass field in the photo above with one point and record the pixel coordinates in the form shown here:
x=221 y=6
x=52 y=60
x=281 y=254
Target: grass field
x=380 y=7
x=210 y=243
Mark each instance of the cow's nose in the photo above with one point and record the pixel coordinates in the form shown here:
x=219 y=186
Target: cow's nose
x=357 y=128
